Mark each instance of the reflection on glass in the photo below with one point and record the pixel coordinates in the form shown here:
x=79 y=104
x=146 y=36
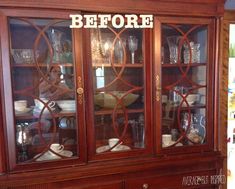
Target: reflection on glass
x=184 y=86
x=43 y=90
x=100 y=77
x=119 y=91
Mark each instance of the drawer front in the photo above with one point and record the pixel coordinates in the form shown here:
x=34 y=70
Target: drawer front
x=96 y=185
x=105 y=186
x=191 y=180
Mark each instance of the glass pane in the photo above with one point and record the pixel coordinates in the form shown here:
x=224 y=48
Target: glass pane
x=184 y=84
x=43 y=89
x=118 y=80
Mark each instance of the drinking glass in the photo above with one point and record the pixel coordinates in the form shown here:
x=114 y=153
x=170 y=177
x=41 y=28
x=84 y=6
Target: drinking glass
x=133 y=45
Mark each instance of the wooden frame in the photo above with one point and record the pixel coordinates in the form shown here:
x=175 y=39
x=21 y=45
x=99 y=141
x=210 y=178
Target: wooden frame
x=229 y=18
x=119 y=173
x=210 y=72
x=9 y=115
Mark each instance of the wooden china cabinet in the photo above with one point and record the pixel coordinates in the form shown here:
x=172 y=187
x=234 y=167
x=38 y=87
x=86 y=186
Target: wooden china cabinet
x=109 y=107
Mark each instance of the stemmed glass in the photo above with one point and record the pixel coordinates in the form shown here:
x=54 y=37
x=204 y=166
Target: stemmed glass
x=132 y=44
x=106 y=47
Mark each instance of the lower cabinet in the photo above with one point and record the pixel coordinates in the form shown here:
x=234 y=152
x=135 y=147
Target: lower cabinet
x=182 y=173
x=193 y=180
x=71 y=185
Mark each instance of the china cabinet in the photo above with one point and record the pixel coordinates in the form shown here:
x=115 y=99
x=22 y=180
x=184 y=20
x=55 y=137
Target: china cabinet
x=109 y=107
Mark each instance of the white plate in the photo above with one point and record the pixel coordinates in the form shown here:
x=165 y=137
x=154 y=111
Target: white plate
x=171 y=143
x=26 y=110
x=50 y=156
x=106 y=148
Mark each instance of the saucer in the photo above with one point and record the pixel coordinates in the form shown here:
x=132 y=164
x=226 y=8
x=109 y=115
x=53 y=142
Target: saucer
x=106 y=148
x=50 y=156
x=171 y=143
x=26 y=110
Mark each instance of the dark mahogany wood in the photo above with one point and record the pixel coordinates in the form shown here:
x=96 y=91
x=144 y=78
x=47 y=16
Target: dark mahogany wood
x=229 y=18
x=154 y=166
x=173 y=7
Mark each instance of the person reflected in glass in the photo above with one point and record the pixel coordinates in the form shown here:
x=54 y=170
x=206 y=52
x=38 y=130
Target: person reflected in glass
x=53 y=87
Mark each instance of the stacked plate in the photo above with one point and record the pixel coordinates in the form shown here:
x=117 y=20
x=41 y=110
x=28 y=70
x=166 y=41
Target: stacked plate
x=67 y=105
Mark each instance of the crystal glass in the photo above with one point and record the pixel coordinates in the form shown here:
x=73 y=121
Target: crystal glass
x=173 y=43
x=133 y=45
x=106 y=50
x=119 y=49
x=195 y=52
x=55 y=38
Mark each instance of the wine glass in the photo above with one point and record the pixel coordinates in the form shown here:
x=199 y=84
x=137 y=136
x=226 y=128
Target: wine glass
x=132 y=44
x=106 y=47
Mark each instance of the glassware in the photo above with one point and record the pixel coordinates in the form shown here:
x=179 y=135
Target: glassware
x=173 y=43
x=133 y=45
x=174 y=134
x=195 y=53
x=119 y=49
x=106 y=50
x=137 y=128
x=55 y=38
x=23 y=139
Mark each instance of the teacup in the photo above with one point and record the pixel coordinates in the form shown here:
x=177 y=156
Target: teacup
x=20 y=105
x=40 y=105
x=57 y=148
x=166 y=139
x=113 y=142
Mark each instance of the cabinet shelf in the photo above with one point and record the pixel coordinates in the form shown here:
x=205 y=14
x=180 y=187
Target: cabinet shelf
x=108 y=111
x=128 y=65
x=41 y=65
x=168 y=65
x=31 y=116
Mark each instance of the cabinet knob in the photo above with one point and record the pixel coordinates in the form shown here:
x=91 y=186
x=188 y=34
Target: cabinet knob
x=145 y=186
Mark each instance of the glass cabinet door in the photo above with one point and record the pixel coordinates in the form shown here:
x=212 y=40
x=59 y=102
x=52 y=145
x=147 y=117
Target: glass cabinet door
x=119 y=91
x=185 y=85
x=42 y=69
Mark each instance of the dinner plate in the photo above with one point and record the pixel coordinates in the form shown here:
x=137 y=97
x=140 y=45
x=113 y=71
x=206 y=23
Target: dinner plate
x=68 y=110
x=171 y=143
x=106 y=148
x=50 y=156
